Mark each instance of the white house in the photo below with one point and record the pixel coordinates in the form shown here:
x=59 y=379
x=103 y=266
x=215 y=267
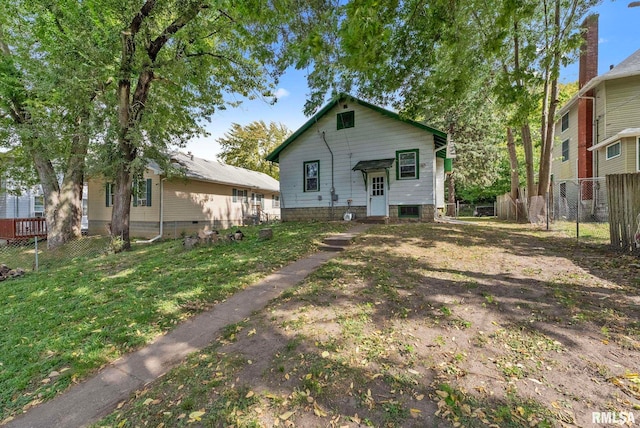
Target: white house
x=355 y=157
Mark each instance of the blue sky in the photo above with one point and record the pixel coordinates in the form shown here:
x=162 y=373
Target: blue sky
x=618 y=38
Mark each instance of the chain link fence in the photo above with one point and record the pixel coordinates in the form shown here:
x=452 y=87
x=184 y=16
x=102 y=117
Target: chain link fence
x=32 y=254
x=459 y=209
x=579 y=208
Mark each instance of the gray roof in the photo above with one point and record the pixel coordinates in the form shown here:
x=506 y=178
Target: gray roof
x=214 y=171
x=627 y=68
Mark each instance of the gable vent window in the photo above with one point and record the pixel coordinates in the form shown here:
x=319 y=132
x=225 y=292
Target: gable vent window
x=346 y=120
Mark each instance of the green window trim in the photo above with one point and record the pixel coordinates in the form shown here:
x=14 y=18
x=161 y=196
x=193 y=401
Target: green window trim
x=307 y=179
x=345 y=120
x=108 y=194
x=409 y=211
x=142 y=187
x=401 y=161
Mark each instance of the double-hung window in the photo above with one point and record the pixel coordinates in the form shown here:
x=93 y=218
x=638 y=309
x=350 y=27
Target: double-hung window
x=565 y=122
x=407 y=164
x=565 y=150
x=312 y=176
x=142 y=193
x=239 y=195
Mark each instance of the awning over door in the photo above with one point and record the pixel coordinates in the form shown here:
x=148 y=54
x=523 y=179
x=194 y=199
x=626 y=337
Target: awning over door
x=374 y=165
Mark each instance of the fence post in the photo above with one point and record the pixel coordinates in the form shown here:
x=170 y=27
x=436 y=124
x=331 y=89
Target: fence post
x=36 y=265
x=578 y=211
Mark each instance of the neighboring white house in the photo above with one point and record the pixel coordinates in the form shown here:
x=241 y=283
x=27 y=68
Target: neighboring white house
x=20 y=204
x=357 y=157
x=29 y=203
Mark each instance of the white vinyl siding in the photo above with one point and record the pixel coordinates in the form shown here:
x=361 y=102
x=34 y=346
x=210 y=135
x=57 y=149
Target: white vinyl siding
x=375 y=137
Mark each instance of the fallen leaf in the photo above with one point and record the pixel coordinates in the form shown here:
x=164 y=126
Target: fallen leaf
x=286 y=415
x=251 y=332
x=443 y=394
x=319 y=411
x=325 y=354
x=147 y=401
x=196 y=416
x=419 y=397
x=249 y=394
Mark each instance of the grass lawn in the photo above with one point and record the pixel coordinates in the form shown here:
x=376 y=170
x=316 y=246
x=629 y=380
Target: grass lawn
x=59 y=325
x=421 y=325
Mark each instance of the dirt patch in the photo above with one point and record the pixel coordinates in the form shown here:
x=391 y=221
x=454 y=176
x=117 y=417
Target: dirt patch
x=431 y=325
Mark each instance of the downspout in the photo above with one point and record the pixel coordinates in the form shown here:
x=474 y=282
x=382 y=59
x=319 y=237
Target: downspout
x=161 y=231
x=333 y=189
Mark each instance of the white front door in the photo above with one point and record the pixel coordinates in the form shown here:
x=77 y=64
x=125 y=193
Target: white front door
x=377 y=195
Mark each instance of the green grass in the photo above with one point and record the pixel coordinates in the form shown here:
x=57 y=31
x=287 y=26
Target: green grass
x=88 y=312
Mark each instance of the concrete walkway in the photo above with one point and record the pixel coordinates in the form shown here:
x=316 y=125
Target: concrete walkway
x=94 y=398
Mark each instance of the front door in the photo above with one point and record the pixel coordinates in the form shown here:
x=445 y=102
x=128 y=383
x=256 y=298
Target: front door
x=377 y=195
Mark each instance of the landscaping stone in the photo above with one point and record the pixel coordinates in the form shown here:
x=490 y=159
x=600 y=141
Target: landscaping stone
x=265 y=234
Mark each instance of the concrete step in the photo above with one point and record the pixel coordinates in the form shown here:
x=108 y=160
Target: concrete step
x=337 y=242
x=331 y=247
x=375 y=220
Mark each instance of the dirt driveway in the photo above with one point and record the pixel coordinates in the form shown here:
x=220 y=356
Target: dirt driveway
x=426 y=325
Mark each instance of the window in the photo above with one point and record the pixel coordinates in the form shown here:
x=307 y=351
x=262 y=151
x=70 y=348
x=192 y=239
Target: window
x=407 y=164
x=409 y=211
x=638 y=155
x=142 y=193
x=257 y=198
x=563 y=190
x=240 y=195
x=38 y=206
x=613 y=150
x=312 y=176
x=275 y=201
x=565 y=150
x=565 y=122
x=346 y=120
x=109 y=191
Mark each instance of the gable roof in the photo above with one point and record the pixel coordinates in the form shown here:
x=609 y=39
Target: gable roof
x=217 y=172
x=627 y=68
x=440 y=137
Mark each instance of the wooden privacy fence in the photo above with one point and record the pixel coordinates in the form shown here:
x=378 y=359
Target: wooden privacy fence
x=624 y=210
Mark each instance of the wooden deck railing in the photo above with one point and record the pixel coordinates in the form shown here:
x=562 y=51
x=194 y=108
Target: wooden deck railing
x=22 y=228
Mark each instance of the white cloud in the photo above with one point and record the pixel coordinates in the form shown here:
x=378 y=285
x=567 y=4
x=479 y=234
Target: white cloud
x=281 y=93
x=602 y=40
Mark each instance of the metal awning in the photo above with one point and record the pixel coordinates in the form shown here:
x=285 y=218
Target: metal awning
x=374 y=165
x=370 y=165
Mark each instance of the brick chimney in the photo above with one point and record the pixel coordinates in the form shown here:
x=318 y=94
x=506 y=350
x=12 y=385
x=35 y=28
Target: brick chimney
x=588 y=70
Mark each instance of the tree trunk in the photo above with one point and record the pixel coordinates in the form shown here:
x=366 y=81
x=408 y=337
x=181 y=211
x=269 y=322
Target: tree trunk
x=546 y=148
x=515 y=175
x=122 y=205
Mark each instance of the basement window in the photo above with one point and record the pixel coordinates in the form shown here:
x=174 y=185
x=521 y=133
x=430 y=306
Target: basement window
x=409 y=211
x=346 y=120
